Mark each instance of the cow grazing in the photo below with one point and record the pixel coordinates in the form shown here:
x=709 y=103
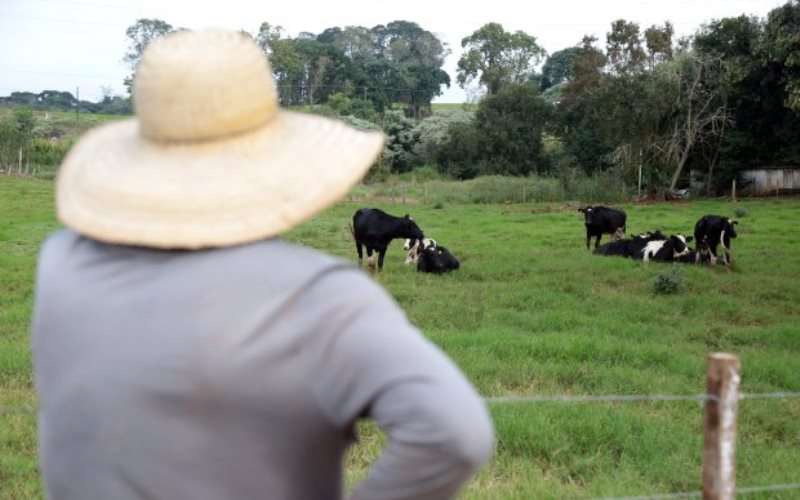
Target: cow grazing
x=710 y=231
x=375 y=229
x=436 y=260
x=632 y=247
x=603 y=220
x=414 y=247
x=668 y=250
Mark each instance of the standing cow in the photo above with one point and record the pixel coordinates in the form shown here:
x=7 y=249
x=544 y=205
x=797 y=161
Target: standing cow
x=600 y=220
x=710 y=231
x=375 y=229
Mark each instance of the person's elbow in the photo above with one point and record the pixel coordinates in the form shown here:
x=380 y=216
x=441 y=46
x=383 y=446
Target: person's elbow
x=470 y=435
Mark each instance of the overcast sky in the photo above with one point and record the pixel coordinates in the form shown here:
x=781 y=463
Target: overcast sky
x=64 y=44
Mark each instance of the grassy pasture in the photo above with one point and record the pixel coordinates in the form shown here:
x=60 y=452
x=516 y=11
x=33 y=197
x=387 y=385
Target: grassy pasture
x=533 y=312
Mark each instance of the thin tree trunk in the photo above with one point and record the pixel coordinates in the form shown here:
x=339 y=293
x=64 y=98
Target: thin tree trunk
x=714 y=160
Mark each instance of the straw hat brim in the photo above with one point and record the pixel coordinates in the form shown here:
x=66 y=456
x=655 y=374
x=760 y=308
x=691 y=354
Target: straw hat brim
x=118 y=187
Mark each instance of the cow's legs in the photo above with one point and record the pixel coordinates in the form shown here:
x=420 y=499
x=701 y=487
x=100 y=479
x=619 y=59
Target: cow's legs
x=727 y=255
x=360 y=252
x=588 y=239
x=370 y=262
x=713 y=255
x=597 y=241
x=381 y=254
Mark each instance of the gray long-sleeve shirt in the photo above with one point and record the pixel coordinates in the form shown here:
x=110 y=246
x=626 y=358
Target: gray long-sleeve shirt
x=237 y=373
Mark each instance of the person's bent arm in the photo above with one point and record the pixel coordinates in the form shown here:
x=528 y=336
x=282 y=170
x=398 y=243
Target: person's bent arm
x=375 y=364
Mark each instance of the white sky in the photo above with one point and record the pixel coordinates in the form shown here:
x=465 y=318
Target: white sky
x=64 y=44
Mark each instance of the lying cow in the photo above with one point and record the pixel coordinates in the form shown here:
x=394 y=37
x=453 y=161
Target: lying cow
x=414 y=247
x=668 y=250
x=375 y=229
x=630 y=248
x=437 y=260
x=603 y=220
x=710 y=231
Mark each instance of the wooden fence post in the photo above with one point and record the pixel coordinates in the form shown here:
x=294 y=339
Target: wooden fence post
x=719 y=429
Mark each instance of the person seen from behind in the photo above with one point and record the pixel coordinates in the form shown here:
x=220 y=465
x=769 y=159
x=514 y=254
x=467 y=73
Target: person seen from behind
x=182 y=350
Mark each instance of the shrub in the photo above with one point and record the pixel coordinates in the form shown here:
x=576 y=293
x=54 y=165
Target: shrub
x=44 y=152
x=670 y=281
x=741 y=212
x=433 y=132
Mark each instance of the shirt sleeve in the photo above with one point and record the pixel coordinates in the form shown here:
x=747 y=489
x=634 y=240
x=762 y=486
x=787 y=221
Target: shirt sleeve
x=374 y=363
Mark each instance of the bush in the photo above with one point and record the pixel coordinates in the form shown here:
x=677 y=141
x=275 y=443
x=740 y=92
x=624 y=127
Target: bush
x=670 y=281
x=48 y=153
x=741 y=212
x=433 y=132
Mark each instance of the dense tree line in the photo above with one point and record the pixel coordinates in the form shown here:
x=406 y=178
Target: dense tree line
x=707 y=105
x=65 y=101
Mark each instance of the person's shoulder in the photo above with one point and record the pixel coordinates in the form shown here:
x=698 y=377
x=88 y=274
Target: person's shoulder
x=59 y=241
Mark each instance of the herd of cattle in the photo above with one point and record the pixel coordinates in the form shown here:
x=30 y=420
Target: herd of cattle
x=375 y=229
x=709 y=232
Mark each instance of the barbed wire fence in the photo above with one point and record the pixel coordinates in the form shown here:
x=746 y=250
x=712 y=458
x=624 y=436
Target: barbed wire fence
x=721 y=411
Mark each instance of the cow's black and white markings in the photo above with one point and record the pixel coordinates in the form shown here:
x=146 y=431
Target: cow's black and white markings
x=668 y=250
x=601 y=220
x=632 y=247
x=375 y=229
x=436 y=260
x=414 y=247
x=710 y=231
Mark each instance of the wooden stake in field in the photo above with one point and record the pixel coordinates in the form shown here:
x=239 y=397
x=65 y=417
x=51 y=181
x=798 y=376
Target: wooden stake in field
x=719 y=443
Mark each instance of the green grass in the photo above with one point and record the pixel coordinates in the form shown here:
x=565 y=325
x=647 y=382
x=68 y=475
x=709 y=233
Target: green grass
x=531 y=311
x=449 y=107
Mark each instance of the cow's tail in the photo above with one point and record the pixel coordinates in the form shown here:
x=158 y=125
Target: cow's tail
x=352 y=231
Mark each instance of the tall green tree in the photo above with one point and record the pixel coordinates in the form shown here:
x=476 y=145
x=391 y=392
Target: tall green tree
x=624 y=48
x=781 y=50
x=498 y=58
x=141 y=34
x=510 y=126
x=658 y=41
x=557 y=68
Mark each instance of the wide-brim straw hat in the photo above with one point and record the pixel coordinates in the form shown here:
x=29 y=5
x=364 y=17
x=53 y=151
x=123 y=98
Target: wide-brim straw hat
x=210 y=159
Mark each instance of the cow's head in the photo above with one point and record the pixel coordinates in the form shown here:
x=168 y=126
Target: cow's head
x=587 y=213
x=728 y=232
x=413 y=248
x=730 y=227
x=411 y=228
x=679 y=245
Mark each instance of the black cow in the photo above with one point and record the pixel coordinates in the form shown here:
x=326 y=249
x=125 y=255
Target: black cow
x=710 y=231
x=632 y=247
x=600 y=220
x=375 y=229
x=437 y=260
x=668 y=250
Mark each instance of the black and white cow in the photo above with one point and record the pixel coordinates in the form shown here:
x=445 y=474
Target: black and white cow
x=631 y=247
x=436 y=260
x=668 y=250
x=601 y=220
x=375 y=229
x=414 y=247
x=710 y=231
